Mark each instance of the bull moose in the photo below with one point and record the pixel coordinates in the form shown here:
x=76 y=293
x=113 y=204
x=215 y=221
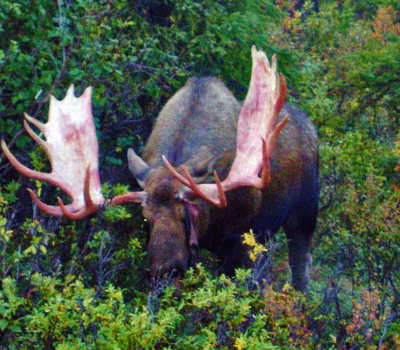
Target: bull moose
x=266 y=151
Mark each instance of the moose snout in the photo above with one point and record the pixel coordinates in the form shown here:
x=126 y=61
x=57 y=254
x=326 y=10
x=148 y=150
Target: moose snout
x=168 y=254
x=169 y=273
x=169 y=269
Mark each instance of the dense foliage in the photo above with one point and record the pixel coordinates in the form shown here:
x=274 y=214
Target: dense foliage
x=83 y=284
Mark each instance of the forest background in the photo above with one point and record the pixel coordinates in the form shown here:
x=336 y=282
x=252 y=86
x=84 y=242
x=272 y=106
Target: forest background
x=82 y=285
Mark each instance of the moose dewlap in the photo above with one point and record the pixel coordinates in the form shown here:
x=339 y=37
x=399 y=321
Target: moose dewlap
x=265 y=151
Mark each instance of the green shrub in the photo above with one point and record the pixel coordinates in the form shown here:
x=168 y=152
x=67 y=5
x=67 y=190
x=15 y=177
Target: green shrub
x=82 y=284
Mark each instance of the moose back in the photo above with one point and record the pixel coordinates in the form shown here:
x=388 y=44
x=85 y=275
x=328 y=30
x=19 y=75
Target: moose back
x=266 y=152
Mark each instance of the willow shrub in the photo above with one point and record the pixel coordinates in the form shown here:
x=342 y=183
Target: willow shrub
x=82 y=284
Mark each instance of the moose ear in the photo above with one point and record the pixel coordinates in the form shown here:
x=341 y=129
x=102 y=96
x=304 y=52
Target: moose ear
x=138 y=167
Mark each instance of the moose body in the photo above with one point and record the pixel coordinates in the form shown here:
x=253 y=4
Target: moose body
x=197 y=129
x=269 y=163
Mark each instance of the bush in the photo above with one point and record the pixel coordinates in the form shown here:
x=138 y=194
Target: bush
x=83 y=285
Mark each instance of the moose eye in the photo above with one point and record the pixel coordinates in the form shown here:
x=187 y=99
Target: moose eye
x=178 y=197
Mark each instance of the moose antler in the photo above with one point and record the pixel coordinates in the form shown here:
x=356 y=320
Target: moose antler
x=256 y=136
x=72 y=148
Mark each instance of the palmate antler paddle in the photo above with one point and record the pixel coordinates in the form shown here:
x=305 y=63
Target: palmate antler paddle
x=257 y=133
x=72 y=148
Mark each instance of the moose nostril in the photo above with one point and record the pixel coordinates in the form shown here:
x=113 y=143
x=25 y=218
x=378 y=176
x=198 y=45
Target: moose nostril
x=168 y=271
x=178 y=271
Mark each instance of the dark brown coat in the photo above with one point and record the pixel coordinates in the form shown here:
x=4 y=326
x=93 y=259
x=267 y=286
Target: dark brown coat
x=197 y=128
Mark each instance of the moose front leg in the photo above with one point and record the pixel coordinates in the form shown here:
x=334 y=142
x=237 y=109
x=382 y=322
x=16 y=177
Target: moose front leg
x=233 y=254
x=299 y=245
x=300 y=263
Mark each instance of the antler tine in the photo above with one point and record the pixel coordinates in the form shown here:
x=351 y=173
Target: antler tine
x=273 y=137
x=220 y=202
x=90 y=206
x=35 y=122
x=130 y=197
x=34 y=174
x=268 y=146
x=78 y=215
x=265 y=172
x=61 y=209
x=175 y=173
x=37 y=138
x=86 y=189
x=48 y=209
x=189 y=182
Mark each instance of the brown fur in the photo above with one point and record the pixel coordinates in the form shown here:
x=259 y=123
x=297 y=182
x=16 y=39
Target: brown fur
x=197 y=128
